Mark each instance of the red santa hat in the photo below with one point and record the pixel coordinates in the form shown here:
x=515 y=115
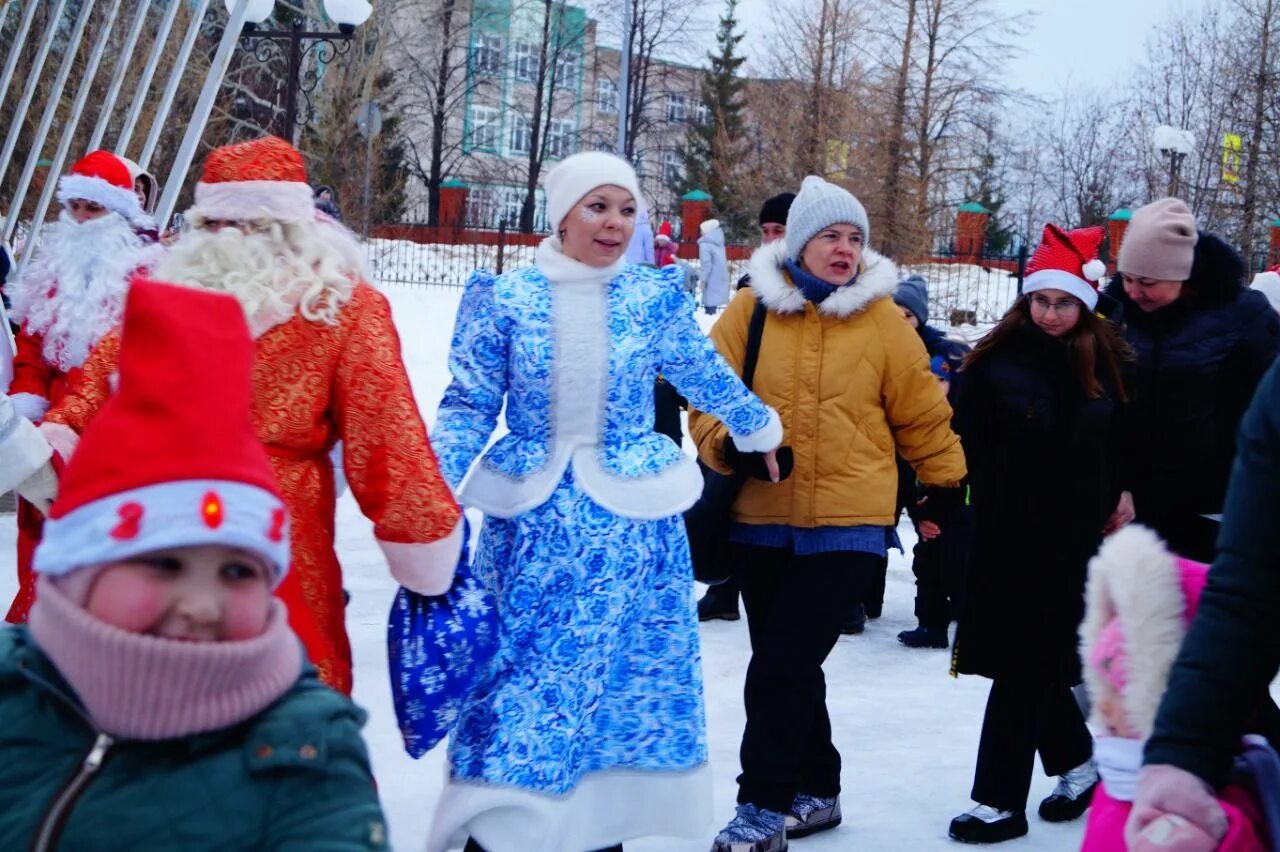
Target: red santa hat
x=172 y=459
x=249 y=181
x=664 y=232
x=1067 y=261
x=101 y=177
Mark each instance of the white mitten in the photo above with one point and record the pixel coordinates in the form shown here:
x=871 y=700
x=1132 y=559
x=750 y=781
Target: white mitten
x=29 y=405
x=23 y=452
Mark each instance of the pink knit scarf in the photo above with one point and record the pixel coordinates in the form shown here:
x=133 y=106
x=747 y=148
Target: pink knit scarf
x=143 y=687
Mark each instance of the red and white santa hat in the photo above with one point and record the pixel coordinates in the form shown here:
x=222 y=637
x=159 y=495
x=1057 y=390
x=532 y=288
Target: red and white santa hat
x=1067 y=261
x=172 y=459
x=102 y=177
x=251 y=181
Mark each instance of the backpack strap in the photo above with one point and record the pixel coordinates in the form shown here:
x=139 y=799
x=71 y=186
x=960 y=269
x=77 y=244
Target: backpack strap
x=755 y=331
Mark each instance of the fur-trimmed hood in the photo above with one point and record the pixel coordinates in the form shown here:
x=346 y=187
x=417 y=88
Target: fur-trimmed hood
x=1152 y=593
x=878 y=279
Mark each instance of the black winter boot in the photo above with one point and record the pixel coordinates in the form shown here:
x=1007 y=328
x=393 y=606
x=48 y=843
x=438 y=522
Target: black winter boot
x=720 y=602
x=1071 y=798
x=857 y=621
x=985 y=824
x=924 y=637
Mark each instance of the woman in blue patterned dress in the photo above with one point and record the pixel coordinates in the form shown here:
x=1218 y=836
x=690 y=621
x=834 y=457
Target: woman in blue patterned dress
x=587 y=728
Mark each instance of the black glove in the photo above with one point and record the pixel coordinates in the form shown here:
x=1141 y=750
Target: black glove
x=937 y=502
x=752 y=464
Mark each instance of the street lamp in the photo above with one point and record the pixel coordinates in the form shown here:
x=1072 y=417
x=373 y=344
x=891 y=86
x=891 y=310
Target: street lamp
x=294 y=43
x=1176 y=144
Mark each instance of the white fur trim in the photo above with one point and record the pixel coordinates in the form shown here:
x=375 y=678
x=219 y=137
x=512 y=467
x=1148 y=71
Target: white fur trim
x=30 y=405
x=61 y=437
x=878 y=278
x=602 y=808
x=171 y=518
x=252 y=200
x=767 y=437
x=110 y=196
x=659 y=495
x=502 y=496
x=1134 y=578
x=1056 y=279
x=40 y=488
x=425 y=567
x=22 y=451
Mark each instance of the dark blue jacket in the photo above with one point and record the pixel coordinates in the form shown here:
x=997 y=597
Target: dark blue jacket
x=1232 y=651
x=1199 y=361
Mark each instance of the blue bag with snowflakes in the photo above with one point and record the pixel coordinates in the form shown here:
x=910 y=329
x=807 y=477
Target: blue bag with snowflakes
x=435 y=648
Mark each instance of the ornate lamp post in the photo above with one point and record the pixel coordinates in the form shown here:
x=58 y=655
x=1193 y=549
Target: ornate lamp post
x=295 y=43
x=1175 y=144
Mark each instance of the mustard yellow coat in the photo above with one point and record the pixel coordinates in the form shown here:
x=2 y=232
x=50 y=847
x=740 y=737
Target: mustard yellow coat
x=851 y=382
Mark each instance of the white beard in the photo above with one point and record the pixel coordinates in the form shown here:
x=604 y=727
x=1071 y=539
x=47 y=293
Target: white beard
x=73 y=292
x=271 y=275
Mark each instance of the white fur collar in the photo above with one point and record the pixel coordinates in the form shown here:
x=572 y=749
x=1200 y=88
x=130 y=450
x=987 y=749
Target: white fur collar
x=562 y=269
x=879 y=278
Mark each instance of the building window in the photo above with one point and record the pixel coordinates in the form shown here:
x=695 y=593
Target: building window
x=526 y=56
x=672 y=167
x=566 y=70
x=486 y=56
x=606 y=95
x=702 y=113
x=485 y=122
x=677 y=108
x=482 y=208
x=512 y=203
x=521 y=134
x=560 y=138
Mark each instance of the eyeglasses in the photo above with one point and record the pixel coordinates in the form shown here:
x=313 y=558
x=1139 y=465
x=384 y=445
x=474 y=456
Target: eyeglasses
x=1066 y=306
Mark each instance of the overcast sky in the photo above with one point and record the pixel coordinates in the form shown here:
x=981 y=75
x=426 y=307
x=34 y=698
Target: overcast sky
x=1086 y=42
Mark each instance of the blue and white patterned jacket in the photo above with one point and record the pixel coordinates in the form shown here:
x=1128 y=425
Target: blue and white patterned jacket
x=575 y=361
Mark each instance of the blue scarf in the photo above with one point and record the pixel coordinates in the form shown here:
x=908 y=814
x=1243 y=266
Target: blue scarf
x=813 y=289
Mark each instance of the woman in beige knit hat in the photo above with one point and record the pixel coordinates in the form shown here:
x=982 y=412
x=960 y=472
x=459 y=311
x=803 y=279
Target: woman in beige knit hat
x=1203 y=341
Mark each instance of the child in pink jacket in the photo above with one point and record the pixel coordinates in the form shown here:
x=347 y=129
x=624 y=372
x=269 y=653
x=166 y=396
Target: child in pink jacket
x=1140 y=599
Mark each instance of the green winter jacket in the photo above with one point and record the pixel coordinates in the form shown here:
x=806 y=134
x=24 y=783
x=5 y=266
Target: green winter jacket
x=295 y=777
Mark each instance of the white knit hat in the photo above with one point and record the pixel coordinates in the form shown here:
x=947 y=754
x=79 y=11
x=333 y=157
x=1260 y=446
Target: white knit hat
x=1268 y=284
x=575 y=176
x=820 y=205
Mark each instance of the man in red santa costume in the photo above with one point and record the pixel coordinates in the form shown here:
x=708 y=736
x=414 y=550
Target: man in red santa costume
x=70 y=296
x=327 y=368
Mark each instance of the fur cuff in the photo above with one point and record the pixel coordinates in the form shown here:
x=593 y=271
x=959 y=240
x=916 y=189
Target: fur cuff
x=426 y=568
x=22 y=451
x=30 y=405
x=768 y=437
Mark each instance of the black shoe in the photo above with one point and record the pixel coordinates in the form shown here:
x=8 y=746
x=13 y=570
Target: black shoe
x=718 y=605
x=856 y=623
x=924 y=637
x=985 y=824
x=1071 y=798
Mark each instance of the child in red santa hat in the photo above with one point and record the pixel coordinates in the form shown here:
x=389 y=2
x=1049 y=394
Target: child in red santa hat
x=1140 y=599
x=71 y=294
x=158 y=699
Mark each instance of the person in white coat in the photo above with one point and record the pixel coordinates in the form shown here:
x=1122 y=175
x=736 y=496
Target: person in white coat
x=713 y=266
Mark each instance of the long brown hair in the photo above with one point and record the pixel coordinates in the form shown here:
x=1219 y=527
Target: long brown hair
x=1094 y=337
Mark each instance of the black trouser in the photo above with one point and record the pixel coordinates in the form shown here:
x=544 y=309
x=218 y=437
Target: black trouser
x=939 y=565
x=1022 y=719
x=872 y=597
x=795 y=608
x=472 y=846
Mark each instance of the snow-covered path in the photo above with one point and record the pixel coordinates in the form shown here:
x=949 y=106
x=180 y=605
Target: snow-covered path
x=908 y=732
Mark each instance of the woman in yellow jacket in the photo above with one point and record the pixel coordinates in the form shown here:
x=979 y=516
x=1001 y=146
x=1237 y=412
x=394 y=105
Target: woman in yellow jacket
x=851 y=382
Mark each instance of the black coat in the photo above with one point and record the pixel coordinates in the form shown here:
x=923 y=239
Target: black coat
x=1199 y=361
x=1042 y=488
x=1232 y=651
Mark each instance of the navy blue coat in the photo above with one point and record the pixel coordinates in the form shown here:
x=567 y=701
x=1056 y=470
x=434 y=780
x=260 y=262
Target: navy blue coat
x=1199 y=362
x=1232 y=651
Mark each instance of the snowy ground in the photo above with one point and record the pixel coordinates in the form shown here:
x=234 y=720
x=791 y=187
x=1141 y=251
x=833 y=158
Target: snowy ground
x=907 y=731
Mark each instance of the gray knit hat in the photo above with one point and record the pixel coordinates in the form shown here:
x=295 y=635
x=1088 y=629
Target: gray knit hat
x=820 y=205
x=1160 y=242
x=913 y=294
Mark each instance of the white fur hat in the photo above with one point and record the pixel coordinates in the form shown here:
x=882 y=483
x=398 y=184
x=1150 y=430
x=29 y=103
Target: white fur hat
x=575 y=176
x=708 y=225
x=1268 y=284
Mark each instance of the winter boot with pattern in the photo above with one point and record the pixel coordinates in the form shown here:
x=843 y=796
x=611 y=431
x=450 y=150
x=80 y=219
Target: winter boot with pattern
x=924 y=637
x=985 y=824
x=811 y=814
x=1071 y=798
x=753 y=829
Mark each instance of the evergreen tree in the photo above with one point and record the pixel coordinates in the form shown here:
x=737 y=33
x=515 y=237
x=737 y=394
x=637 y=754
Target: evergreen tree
x=712 y=145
